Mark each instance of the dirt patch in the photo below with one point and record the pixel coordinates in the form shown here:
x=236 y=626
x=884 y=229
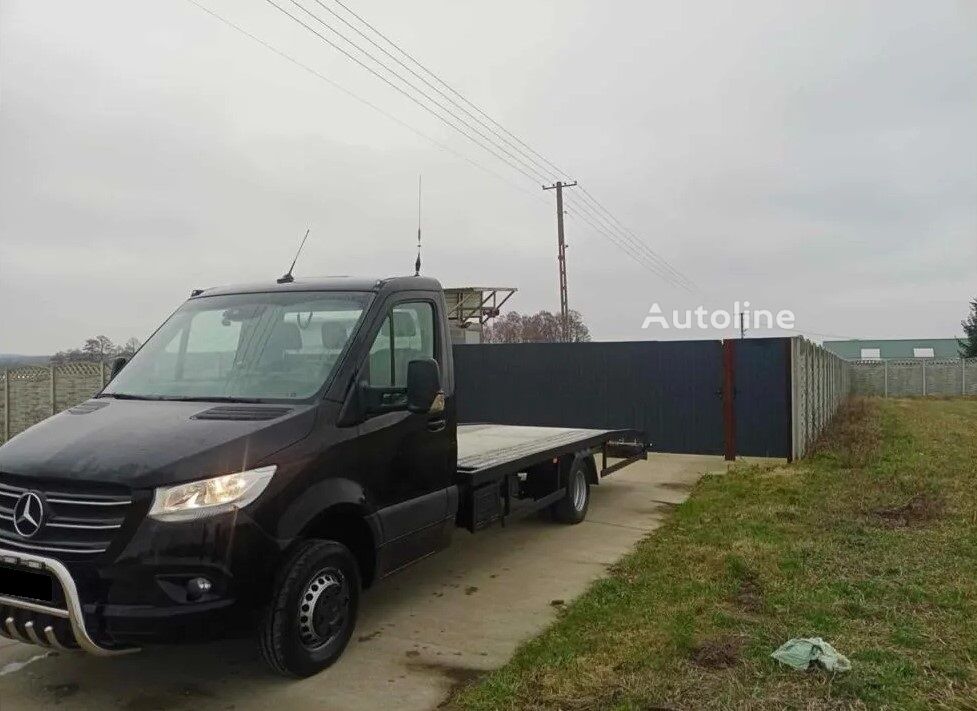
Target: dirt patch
x=459 y=677
x=717 y=652
x=748 y=595
x=920 y=509
x=60 y=692
x=677 y=485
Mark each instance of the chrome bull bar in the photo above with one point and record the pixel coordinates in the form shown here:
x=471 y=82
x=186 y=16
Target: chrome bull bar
x=73 y=614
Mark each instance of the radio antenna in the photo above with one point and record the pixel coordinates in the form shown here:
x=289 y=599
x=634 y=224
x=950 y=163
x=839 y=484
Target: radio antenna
x=417 y=264
x=287 y=278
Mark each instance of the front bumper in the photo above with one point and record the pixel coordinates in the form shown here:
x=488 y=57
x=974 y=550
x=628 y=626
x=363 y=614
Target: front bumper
x=42 y=613
x=136 y=593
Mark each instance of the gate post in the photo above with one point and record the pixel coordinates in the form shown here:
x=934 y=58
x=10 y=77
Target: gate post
x=729 y=395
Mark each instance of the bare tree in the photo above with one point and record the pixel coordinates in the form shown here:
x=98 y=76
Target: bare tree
x=99 y=347
x=96 y=349
x=541 y=327
x=129 y=348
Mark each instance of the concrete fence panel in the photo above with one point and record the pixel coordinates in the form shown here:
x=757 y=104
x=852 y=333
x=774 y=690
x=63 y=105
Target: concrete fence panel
x=915 y=377
x=33 y=393
x=820 y=382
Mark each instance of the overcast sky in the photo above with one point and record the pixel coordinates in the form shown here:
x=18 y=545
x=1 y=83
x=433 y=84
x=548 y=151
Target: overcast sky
x=813 y=156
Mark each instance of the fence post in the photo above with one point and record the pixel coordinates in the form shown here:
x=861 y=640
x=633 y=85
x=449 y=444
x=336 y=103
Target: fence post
x=924 y=377
x=54 y=400
x=6 y=404
x=963 y=376
x=101 y=366
x=885 y=376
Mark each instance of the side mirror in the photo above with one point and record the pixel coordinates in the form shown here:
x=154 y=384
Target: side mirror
x=117 y=365
x=423 y=384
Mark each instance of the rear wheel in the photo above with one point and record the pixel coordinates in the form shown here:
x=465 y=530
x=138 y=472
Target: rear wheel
x=311 y=616
x=572 y=508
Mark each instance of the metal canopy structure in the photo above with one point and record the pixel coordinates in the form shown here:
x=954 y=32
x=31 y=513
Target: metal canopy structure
x=470 y=305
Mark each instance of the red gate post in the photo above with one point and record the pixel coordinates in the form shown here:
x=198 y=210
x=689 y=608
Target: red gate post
x=729 y=395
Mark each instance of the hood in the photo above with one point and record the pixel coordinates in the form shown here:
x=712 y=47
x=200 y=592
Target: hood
x=148 y=443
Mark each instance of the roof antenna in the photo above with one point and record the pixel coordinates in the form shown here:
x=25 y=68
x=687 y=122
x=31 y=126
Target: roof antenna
x=417 y=264
x=287 y=278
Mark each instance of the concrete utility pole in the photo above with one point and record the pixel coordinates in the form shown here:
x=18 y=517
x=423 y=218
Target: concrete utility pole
x=562 y=255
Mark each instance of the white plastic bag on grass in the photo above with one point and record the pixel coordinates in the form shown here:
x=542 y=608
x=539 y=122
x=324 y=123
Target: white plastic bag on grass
x=801 y=652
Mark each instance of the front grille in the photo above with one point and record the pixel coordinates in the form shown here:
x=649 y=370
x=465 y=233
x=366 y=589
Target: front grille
x=80 y=520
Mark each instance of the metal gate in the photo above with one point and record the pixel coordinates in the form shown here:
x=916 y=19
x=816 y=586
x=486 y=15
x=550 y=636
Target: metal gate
x=670 y=390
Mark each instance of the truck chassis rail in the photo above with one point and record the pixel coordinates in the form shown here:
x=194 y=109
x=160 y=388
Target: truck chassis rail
x=73 y=614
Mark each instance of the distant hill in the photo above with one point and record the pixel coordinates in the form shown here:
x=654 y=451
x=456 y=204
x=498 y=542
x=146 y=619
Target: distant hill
x=12 y=360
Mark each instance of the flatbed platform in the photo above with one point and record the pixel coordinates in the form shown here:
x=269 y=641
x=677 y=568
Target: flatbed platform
x=486 y=451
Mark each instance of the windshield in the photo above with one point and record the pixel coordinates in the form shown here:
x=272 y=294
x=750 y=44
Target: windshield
x=276 y=346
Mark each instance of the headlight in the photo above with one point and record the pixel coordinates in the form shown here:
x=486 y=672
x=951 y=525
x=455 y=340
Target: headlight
x=207 y=497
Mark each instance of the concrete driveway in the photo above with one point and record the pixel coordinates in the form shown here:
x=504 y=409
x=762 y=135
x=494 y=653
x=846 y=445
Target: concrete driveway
x=422 y=632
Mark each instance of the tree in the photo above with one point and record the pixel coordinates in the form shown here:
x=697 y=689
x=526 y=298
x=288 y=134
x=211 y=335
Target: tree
x=96 y=350
x=99 y=347
x=968 y=346
x=542 y=327
x=129 y=349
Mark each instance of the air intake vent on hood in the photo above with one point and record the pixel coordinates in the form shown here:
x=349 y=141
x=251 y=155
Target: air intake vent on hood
x=241 y=412
x=86 y=407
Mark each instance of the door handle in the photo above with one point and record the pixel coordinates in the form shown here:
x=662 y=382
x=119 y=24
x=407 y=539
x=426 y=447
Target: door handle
x=436 y=425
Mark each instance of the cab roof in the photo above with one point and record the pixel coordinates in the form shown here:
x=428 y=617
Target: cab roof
x=332 y=283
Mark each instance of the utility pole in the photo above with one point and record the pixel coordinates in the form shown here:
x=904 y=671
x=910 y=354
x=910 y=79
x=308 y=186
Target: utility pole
x=742 y=329
x=562 y=255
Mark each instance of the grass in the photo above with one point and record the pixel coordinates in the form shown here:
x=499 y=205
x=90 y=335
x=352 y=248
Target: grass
x=870 y=543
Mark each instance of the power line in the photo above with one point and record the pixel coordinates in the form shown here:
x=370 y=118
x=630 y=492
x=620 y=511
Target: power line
x=451 y=89
x=501 y=135
x=674 y=276
x=363 y=101
x=635 y=237
x=492 y=146
x=627 y=248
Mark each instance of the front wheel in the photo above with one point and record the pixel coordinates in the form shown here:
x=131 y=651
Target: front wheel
x=572 y=508
x=312 y=612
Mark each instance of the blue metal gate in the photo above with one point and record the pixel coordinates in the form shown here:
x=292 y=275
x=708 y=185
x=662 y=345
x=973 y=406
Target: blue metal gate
x=670 y=390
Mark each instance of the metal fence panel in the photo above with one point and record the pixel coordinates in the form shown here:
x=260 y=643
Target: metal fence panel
x=671 y=390
x=762 y=397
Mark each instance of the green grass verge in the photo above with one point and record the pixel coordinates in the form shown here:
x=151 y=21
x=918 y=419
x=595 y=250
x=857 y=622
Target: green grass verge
x=871 y=543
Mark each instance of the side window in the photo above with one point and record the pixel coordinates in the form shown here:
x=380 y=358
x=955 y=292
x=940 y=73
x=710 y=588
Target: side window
x=407 y=334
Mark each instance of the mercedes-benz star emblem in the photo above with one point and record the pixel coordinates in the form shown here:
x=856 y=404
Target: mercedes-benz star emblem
x=28 y=514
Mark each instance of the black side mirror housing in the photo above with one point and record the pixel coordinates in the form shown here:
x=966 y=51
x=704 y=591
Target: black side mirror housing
x=117 y=365
x=423 y=384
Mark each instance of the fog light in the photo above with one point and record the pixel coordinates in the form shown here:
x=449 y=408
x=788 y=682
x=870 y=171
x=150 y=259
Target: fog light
x=198 y=587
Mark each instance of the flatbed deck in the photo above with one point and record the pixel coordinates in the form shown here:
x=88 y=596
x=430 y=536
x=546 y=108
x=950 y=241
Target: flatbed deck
x=486 y=451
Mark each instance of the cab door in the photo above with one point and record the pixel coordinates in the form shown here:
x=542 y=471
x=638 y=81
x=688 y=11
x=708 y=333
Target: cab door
x=406 y=458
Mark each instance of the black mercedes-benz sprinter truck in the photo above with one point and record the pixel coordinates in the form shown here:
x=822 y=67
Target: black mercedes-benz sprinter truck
x=269 y=452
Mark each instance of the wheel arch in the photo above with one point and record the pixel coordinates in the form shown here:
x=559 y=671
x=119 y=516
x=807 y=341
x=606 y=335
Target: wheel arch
x=351 y=525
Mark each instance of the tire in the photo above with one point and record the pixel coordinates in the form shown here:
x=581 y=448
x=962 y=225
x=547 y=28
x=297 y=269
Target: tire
x=572 y=508
x=310 y=618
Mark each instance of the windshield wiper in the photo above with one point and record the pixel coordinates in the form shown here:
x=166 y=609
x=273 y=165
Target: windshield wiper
x=214 y=398
x=128 y=396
